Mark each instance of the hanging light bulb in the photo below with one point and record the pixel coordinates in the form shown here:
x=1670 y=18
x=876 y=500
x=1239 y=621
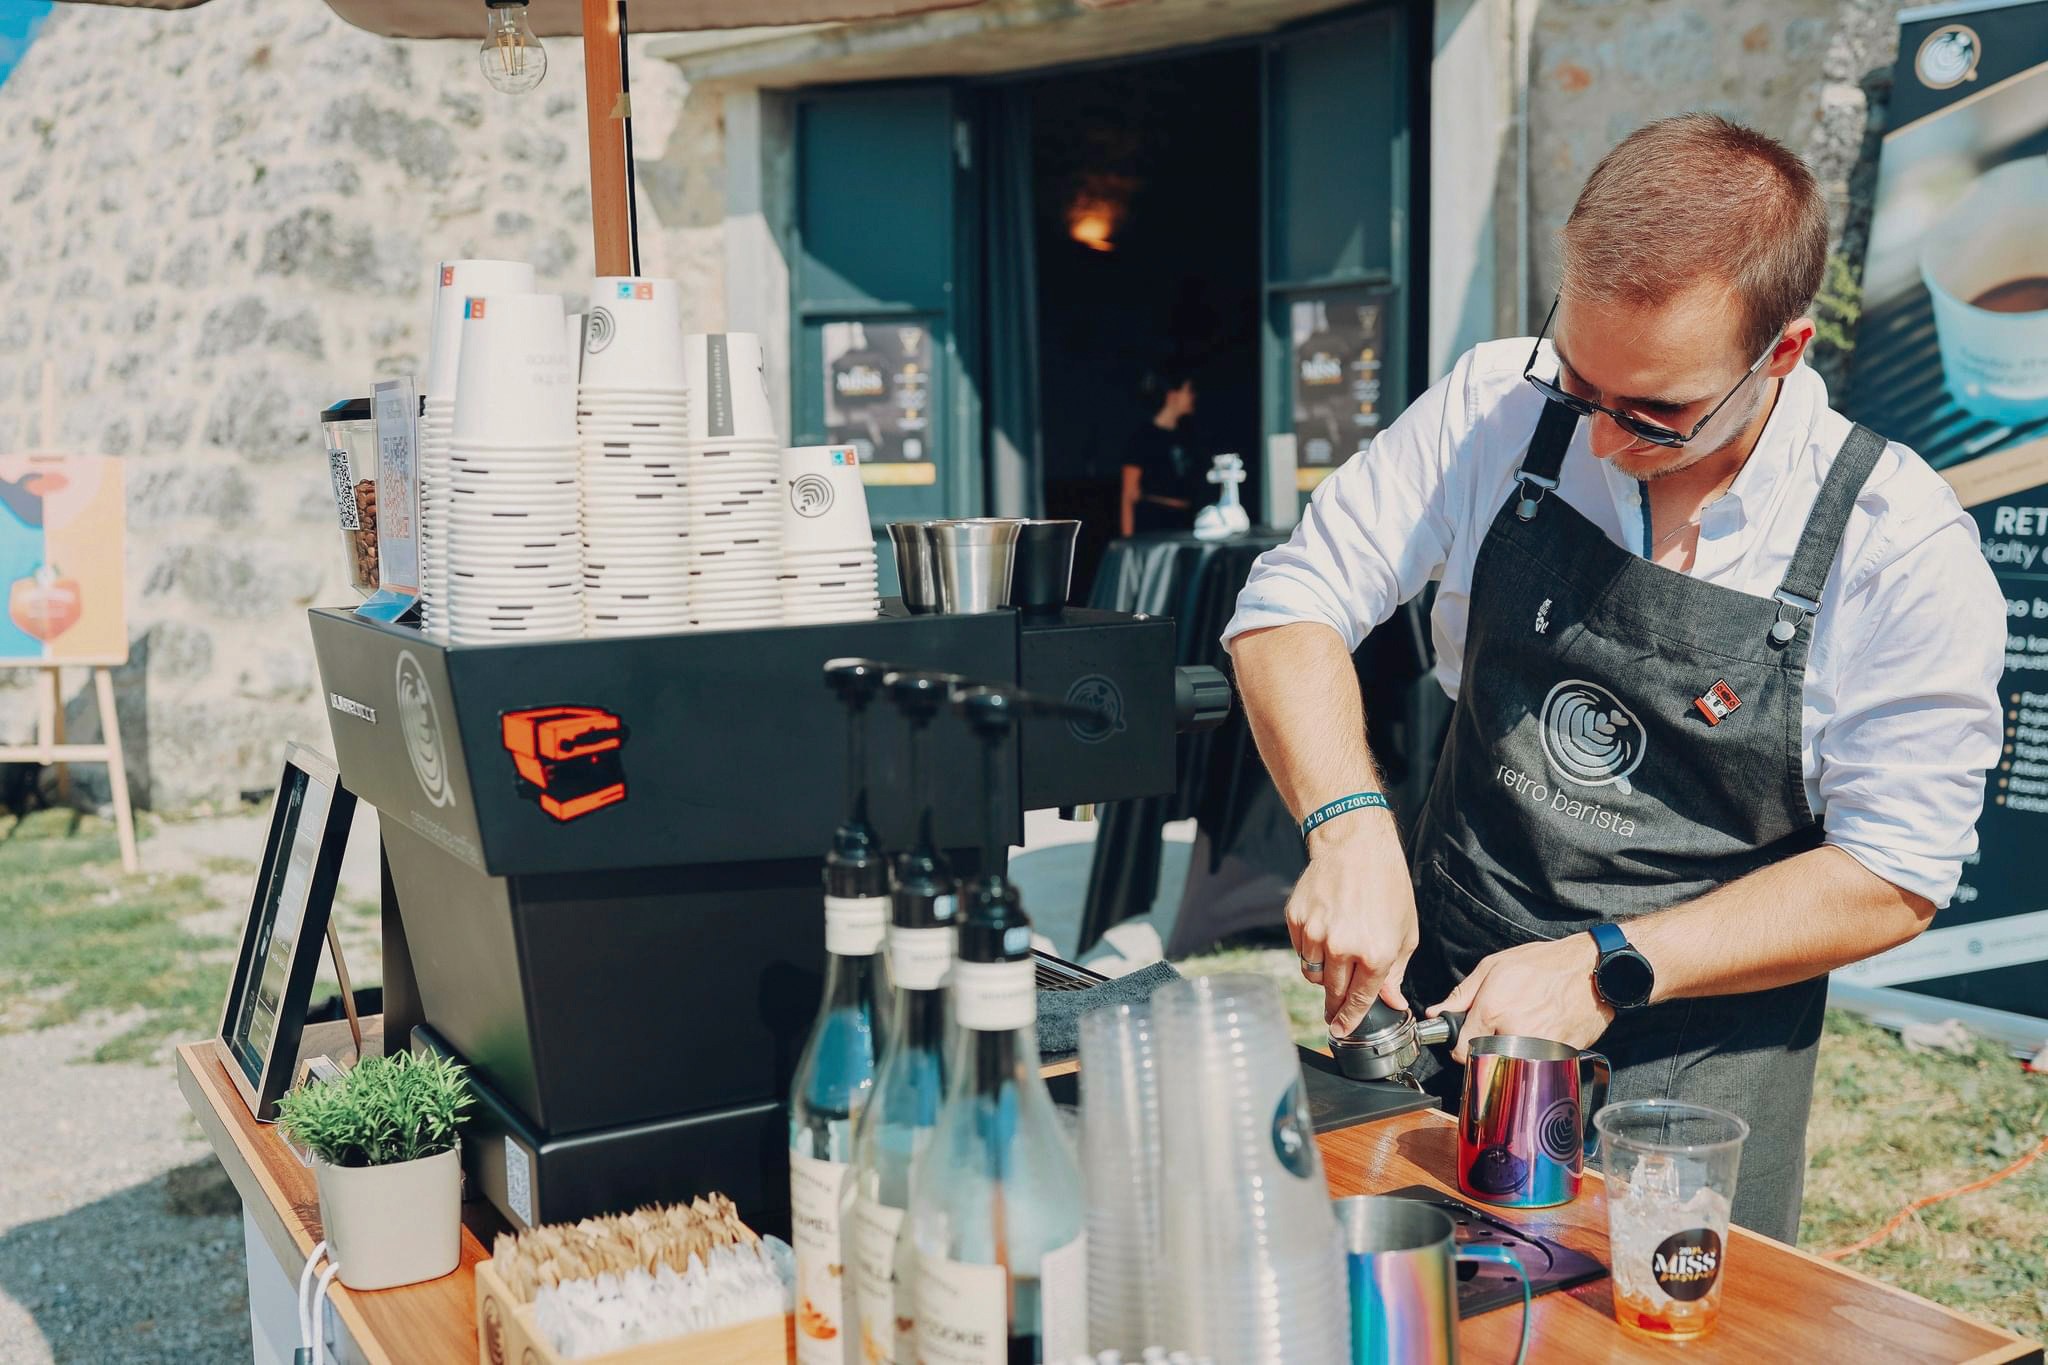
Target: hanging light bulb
x=511 y=57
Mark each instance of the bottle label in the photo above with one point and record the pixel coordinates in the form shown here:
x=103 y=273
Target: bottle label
x=1063 y=1300
x=962 y=1313
x=855 y=925
x=920 y=958
x=995 y=997
x=886 y=1299
x=817 y=1190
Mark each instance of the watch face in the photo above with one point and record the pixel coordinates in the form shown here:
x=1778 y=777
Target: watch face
x=1625 y=979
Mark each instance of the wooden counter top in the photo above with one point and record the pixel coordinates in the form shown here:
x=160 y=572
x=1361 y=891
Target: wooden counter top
x=1778 y=1303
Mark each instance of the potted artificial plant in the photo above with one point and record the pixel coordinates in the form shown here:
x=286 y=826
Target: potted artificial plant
x=383 y=1143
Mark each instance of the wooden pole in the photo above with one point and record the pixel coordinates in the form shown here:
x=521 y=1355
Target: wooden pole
x=611 y=184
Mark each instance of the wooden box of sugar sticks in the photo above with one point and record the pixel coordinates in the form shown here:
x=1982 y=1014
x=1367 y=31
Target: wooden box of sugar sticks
x=507 y=1331
x=506 y=1335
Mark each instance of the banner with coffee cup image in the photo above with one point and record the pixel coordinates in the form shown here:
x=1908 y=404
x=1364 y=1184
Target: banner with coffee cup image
x=1951 y=359
x=1951 y=355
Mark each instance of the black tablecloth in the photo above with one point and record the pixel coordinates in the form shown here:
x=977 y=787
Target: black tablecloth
x=1222 y=784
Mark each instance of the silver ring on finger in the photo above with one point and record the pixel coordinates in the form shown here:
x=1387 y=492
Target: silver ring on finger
x=1309 y=968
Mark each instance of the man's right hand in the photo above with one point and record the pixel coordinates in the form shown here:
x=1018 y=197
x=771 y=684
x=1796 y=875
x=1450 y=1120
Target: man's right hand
x=1353 y=911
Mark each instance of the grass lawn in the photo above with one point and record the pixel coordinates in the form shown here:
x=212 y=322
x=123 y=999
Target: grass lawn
x=77 y=937
x=1888 y=1127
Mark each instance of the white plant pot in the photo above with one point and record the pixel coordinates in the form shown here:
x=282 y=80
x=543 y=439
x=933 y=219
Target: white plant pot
x=393 y=1225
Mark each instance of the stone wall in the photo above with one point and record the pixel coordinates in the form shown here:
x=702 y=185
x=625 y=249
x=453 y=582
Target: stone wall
x=212 y=224
x=1804 y=71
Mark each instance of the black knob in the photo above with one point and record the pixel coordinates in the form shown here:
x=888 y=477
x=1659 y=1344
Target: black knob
x=1201 y=698
x=919 y=695
x=991 y=712
x=855 y=681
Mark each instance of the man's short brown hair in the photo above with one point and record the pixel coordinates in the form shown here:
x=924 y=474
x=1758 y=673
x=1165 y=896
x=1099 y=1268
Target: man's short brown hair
x=1696 y=197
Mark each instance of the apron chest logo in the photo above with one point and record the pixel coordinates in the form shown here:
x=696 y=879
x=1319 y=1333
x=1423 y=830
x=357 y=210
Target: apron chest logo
x=1590 y=738
x=1718 y=703
x=1543 y=618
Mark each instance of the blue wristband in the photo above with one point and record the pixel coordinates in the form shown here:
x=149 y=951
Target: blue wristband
x=1343 y=805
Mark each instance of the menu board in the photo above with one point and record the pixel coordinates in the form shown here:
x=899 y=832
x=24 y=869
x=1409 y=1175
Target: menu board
x=303 y=815
x=62 y=529
x=260 y=1025
x=1339 y=353
x=878 y=396
x=1990 y=945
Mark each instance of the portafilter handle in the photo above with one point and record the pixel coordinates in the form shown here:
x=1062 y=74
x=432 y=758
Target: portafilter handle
x=1441 y=1031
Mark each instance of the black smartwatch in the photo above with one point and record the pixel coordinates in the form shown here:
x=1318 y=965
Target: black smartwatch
x=1624 y=977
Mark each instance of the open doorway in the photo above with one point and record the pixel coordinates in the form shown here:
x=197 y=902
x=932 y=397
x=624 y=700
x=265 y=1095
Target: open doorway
x=1145 y=186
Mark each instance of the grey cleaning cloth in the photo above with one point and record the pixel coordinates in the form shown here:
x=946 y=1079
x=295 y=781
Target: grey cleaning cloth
x=1059 y=1012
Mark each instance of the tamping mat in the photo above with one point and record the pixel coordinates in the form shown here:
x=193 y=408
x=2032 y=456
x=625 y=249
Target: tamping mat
x=1484 y=1287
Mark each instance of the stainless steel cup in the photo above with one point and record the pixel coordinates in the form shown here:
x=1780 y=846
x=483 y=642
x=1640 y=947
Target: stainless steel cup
x=1045 y=565
x=1399 y=1256
x=973 y=561
x=919 y=585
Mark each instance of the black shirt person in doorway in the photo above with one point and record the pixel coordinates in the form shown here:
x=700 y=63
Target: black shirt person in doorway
x=1162 y=485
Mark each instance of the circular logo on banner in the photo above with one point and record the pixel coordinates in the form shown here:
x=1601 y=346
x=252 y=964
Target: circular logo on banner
x=419 y=720
x=1558 y=1133
x=1589 y=737
x=1686 y=1264
x=598 y=330
x=1948 y=57
x=1103 y=697
x=810 y=495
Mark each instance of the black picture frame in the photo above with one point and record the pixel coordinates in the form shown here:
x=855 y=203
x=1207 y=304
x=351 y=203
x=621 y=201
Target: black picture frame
x=264 y=1014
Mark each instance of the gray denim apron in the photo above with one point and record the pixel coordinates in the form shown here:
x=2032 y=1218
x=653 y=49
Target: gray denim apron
x=1581 y=781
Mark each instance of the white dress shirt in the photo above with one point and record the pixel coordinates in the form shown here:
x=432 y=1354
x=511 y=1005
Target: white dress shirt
x=1901 y=710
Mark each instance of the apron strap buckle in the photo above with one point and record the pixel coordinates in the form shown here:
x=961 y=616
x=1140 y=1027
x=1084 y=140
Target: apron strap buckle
x=1534 y=486
x=1793 y=612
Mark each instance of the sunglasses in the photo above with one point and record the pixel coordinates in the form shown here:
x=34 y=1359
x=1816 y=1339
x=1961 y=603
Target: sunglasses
x=1639 y=427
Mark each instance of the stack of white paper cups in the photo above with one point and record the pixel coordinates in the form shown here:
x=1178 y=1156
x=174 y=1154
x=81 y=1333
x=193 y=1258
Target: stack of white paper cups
x=631 y=410
x=454 y=282
x=514 y=550
x=732 y=464
x=828 y=548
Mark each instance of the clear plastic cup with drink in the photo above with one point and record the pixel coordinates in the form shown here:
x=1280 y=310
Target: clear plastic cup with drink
x=1670 y=1171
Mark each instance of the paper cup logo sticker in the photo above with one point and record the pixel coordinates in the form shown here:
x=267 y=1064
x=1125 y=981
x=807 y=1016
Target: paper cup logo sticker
x=810 y=495
x=1589 y=737
x=419 y=720
x=598 y=331
x=1687 y=1263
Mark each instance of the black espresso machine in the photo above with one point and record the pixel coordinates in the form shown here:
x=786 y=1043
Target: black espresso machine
x=601 y=862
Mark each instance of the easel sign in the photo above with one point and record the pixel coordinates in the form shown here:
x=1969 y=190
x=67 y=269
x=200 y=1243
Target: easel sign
x=63 y=534
x=395 y=406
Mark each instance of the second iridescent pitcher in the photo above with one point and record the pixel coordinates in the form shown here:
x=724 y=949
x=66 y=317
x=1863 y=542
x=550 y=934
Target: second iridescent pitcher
x=1525 y=1126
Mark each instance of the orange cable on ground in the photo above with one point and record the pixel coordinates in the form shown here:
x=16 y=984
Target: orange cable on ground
x=1841 y=1253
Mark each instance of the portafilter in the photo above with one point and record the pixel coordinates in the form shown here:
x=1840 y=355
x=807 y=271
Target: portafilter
x=1388 y=1042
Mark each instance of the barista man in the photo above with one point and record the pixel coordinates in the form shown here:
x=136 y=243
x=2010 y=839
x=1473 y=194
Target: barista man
x=1725 y=666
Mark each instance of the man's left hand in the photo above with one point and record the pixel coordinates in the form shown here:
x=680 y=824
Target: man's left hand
x=1537 y=990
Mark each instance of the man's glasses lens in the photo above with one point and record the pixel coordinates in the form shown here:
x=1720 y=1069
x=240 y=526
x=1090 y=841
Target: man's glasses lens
x=1635 y=426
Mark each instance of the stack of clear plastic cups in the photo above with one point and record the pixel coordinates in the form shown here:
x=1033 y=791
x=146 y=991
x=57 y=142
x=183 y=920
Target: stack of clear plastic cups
x=1120 y=1160
x=1256 y=1275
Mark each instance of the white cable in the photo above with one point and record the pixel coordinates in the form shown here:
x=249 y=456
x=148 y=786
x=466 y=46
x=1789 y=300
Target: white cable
x=305 y=1296
x=319 y=1304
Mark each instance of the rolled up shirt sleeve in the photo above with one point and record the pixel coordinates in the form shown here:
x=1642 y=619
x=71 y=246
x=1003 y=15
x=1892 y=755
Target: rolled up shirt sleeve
x=1915 y=720
x=1375 y=532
